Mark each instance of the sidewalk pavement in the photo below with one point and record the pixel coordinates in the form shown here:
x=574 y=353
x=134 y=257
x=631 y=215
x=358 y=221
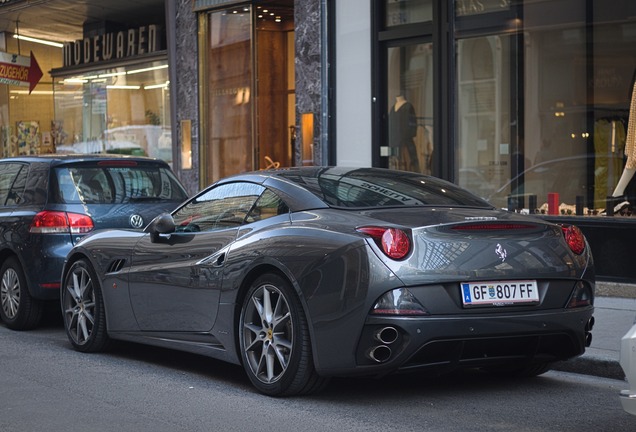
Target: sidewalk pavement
x=614 y=315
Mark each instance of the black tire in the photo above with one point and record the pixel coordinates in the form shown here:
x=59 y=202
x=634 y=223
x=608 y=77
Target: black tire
x=83 y=308
x=274 y=340
x=18 y=309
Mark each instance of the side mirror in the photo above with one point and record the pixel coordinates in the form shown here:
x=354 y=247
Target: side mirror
x=162 y=224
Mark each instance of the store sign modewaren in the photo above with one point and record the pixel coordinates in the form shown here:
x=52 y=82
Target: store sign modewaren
x=19 y=70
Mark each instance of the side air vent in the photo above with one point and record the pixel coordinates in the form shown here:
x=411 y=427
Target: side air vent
x=116 y=266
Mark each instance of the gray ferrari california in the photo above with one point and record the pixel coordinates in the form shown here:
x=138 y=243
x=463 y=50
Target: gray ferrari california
x=307 y=273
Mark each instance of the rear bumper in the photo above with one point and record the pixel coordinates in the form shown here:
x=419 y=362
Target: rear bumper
x=42 y=263
x=451 y=342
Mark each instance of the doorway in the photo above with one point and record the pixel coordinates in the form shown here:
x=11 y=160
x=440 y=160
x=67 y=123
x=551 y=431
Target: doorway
x=249 y=89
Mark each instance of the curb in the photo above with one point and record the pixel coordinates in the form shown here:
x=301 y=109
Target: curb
x=593 y=361
x=615 y=289
x=592 y=365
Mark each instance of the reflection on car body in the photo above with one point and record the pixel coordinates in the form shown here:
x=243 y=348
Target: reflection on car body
x=302 y=274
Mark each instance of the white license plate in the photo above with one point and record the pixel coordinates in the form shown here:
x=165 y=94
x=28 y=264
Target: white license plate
x=499 y=293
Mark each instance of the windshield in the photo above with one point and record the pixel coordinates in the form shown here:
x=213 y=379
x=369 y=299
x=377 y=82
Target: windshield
x=369 y=188
x=103 y=184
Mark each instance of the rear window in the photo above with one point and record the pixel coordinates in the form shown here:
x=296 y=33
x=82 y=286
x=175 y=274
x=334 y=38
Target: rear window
x=12 y=182
x=372 y=188
x=103 y=184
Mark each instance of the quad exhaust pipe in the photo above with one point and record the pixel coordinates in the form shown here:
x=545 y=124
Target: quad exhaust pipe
x=380 y=353
x=386 y=336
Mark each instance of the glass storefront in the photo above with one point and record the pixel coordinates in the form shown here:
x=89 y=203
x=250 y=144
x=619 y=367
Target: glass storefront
x=407 y=118
x=107 y=92
x=26 y=116
x=249 y=94
x=529 y=99
x=123 y=110
x=410 y=118
x=543 y=96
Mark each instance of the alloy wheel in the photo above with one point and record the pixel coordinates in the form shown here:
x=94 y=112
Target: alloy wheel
x=79 y=305
x=10 y=293
x=268 y=331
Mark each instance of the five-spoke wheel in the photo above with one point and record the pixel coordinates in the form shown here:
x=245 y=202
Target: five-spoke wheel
x=83 y=308
x=274 y=339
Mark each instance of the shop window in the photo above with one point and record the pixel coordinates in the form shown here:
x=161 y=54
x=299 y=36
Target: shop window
x=543 y=106
x=410 y=107
x=124 y=110
x=403 y=139
x=401 y=12
x=26 y=114
x=484 y=153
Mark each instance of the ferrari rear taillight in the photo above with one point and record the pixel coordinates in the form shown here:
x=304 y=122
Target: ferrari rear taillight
x=394 y=242
x=399 y=301
x=574 y=238
x=582 y=296
x=55 y=222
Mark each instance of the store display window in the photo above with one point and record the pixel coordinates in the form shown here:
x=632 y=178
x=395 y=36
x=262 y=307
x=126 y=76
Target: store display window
x=26 y=113
x=122 y=110
x=401 y=12
x=543 y=106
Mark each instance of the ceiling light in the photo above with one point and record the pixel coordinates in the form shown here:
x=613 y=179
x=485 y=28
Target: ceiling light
x=156 y=86
x=123 y=87
x=146 y=69
x=111 y=74
x=40 y=41
x=74 y=81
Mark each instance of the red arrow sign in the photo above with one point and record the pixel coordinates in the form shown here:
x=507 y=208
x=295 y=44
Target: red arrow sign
x=19 y=70
x=35 y=73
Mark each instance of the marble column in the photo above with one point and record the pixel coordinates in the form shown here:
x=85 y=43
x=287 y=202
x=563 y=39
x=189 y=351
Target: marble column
x=308 y=64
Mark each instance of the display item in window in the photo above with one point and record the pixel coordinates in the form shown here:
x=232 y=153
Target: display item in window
x=618 y=201
x=402 y=132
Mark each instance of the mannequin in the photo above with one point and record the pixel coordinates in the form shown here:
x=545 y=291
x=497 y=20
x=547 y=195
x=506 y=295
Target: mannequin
x=402 y=131
x=618 y=200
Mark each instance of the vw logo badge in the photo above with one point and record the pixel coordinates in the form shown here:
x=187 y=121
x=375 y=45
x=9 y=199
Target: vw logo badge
x=136 y=221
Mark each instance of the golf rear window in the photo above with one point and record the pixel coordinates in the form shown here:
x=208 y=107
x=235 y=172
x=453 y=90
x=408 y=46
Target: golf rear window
x=107 y=184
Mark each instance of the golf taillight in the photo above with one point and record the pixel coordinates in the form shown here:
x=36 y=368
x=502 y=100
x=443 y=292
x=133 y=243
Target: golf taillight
x=55 y=222
x=574 y=238
x=394 y=242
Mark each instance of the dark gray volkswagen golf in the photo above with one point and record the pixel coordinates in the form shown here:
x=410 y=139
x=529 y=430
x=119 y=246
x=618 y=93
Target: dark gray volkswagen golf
x=47 y=203
x=302 y=274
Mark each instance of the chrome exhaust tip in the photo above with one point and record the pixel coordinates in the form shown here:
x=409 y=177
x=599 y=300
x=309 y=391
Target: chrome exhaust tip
x=387 y=335
x=380 y=353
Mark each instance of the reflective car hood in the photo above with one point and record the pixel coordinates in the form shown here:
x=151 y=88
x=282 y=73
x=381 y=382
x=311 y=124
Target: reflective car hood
x=514 y=246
